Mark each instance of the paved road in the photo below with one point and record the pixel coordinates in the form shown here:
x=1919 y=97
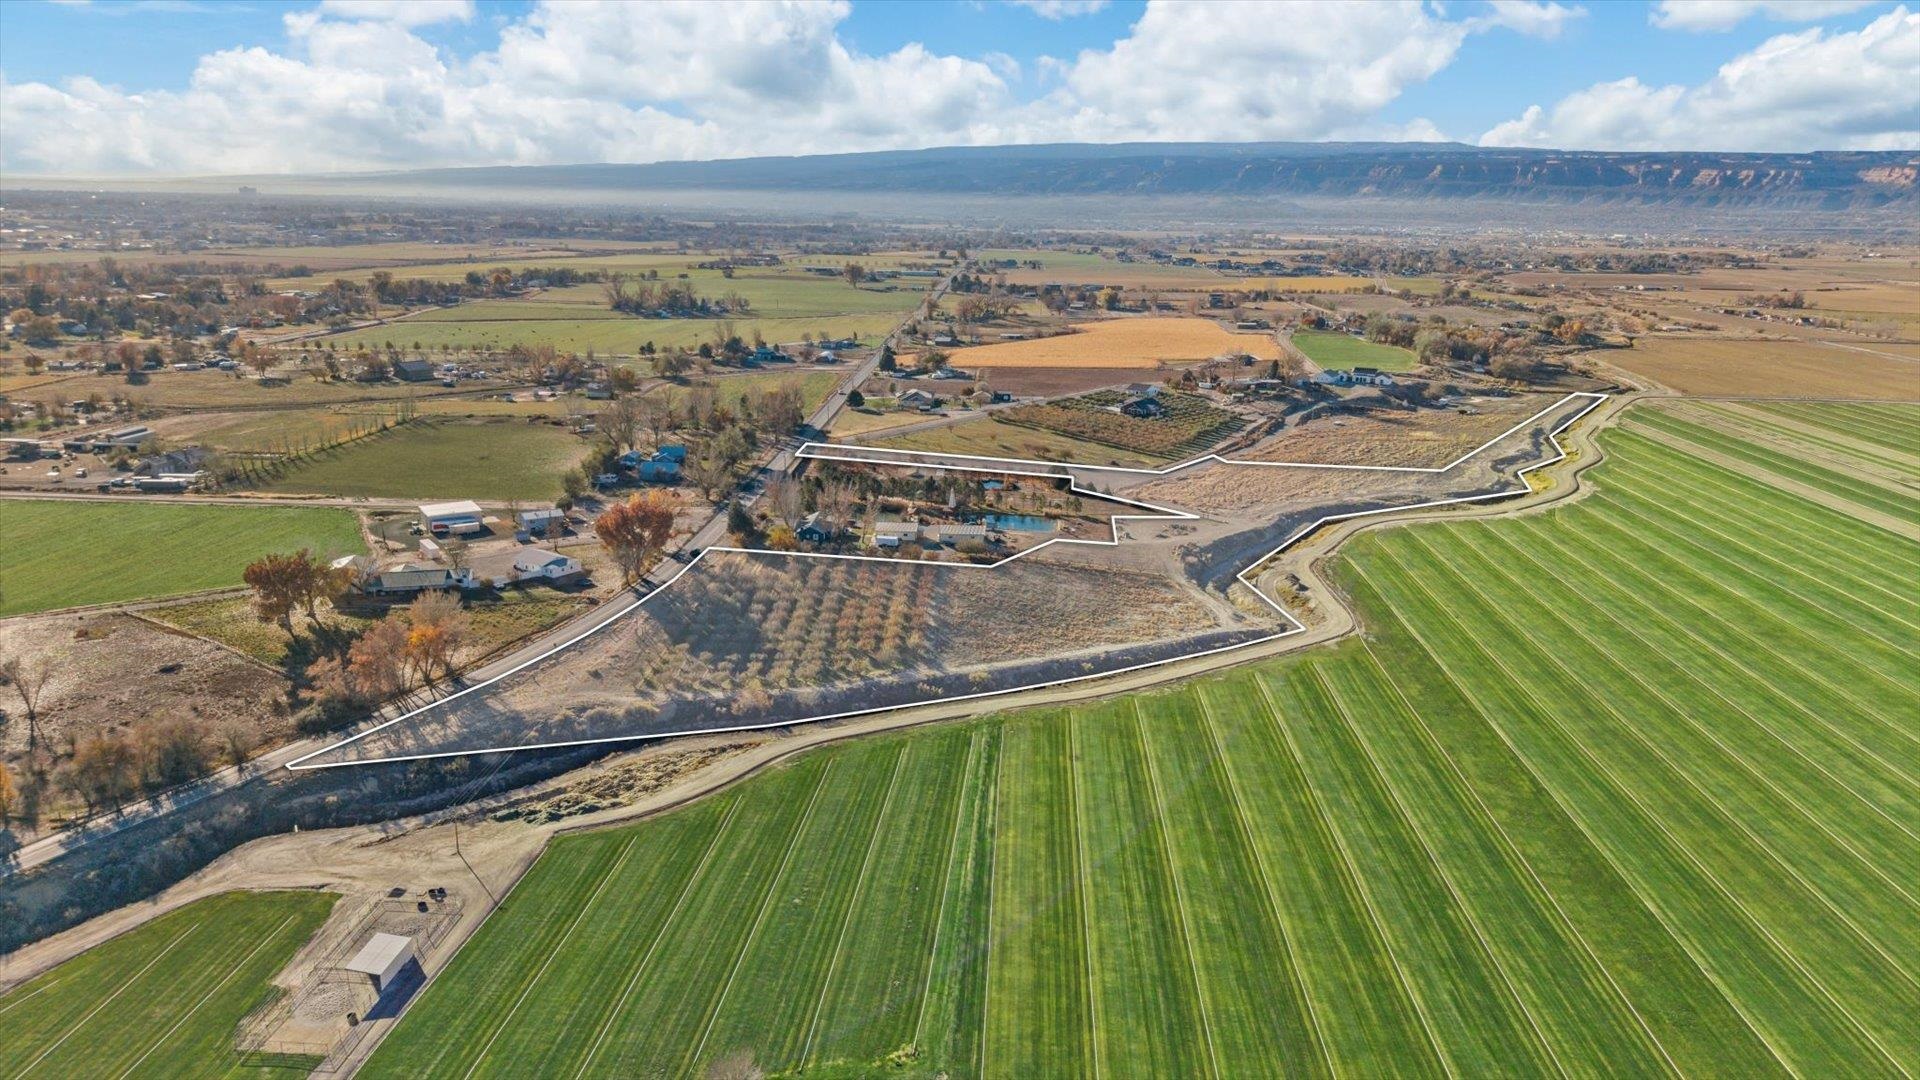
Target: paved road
x=711 y=532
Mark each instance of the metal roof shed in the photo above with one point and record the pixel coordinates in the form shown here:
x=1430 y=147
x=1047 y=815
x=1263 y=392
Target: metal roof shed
x=383 y=957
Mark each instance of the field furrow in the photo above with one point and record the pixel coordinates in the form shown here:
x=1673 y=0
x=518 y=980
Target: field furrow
x=1039 y=1017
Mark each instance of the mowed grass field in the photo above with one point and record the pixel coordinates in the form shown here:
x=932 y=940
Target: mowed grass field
x=57 y=553
x=163 y=1000
x=488 y=460
x=1624 y=788
x=1334 y=350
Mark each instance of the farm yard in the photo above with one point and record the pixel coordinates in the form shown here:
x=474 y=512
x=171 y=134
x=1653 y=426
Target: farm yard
x=1120 y=343
x=1189 y=428
x=496 y=460
x=163 y=1000
x=1335 y=350
x=1433 y=850
x=62 y=553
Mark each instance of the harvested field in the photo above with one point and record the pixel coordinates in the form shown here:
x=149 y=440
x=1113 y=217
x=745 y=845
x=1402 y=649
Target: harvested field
x=112 y=670
x=1433 y=851
x=1054 y=381
x=1756 y=367
x=1120 y=343
x=163 y=1000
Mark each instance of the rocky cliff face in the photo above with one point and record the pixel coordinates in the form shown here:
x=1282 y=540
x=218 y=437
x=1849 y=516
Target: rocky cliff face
x=1403 y=171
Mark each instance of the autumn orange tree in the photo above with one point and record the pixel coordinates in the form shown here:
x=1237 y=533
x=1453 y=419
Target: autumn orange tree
x=436 y=628
x=635 y=532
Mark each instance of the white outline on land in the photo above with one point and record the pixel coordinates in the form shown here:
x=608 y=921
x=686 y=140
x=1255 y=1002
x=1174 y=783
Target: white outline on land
x=998 y=466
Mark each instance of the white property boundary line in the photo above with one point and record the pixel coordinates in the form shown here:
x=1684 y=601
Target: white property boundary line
x=814 y=450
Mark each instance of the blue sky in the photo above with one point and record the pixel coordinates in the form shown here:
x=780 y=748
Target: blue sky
x=458 y=83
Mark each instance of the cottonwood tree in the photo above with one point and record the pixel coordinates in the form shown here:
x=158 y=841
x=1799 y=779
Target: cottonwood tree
x=635 y=532
x=622 y=420
x=436 y=628
x=279 y=584
x=29 y=684
x=376 y=662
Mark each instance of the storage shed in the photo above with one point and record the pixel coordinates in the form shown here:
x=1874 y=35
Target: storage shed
x=382 y=958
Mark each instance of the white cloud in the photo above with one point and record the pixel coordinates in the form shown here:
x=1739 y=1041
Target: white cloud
x=1540 y=20
x=1706 y=15
x=358 y=87
x=1245 y=71
x=1060 y=9
x=1810 y=90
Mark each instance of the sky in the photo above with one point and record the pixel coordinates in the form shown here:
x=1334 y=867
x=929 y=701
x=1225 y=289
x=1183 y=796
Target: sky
x=196 y=87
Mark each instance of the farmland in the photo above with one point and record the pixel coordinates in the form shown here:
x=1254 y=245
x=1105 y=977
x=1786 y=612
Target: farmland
x=621 y=336
x=1119 y=343
x=784 y=304
x=1334 y=350
x=500 y=460
x=1765 y=367
x=64 y=554
x=1189 y=428
x=988 y=437
x=1434 y=850
x=163 y=1000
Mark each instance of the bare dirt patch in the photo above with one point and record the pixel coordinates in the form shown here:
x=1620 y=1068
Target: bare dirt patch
x=1418 y=438
x=111 y=671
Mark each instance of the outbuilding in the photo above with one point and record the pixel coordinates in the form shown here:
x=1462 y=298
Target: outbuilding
x=450 y=517
x=382 y=959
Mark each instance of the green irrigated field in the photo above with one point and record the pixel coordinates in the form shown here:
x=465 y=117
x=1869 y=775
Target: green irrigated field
x=498 y=460
x=621 y=337
x=1329 y=349
x=56 y=554
x=1625 y=788
x=163 y=1000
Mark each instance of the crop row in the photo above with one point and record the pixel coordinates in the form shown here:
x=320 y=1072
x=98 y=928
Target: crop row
x=1624 y=788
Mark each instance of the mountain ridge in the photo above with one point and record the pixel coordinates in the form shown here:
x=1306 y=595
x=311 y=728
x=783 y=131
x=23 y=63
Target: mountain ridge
x=1829 y=180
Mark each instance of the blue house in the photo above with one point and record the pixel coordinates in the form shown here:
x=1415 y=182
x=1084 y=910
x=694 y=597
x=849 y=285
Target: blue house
x=674 y=453
x=659 y=472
